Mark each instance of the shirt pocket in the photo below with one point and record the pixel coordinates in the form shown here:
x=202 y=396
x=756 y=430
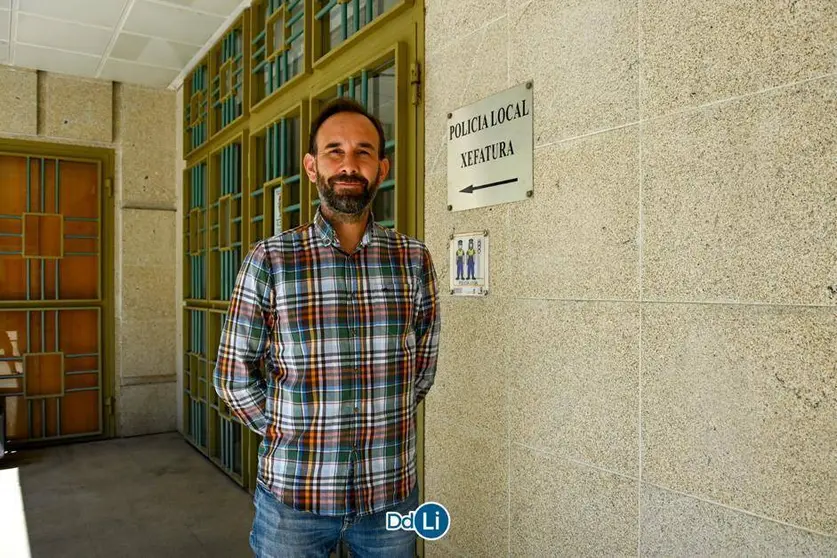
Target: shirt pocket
x=391 y=305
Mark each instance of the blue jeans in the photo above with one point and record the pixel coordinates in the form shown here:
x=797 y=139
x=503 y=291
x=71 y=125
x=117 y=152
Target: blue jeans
x=279 y=531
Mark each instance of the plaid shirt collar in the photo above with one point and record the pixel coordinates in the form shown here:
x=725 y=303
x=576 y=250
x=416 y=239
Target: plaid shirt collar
x=325 y=231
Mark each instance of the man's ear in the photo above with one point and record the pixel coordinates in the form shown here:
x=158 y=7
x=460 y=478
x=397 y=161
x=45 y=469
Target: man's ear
x=310 y=163
x=383 y=171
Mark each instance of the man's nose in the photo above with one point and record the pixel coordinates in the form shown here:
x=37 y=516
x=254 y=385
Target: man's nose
x=350 y=165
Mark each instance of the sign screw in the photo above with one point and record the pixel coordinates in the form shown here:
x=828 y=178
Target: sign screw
x=528 y=85
x=451 y=237
x=450 y=208
x=529 y=193
x=452 y=291
x=450 y=115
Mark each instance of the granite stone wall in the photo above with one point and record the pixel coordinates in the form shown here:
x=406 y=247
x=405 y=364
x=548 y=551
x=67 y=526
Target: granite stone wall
x=653 y=372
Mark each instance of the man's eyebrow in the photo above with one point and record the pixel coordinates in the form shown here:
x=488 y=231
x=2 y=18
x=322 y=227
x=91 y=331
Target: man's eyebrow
x=332 y=144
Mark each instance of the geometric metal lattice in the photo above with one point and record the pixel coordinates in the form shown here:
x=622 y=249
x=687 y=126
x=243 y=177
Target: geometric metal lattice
x=228 y=432
x=196 y=381
x=339 y=20
x=51 y=297
x=247 y=181
x=196 y=109
x=51 y=373
x=278 y=176
x=228 y=84
x=195 y=231
x=226 y=220
x=50 y=229
x=278 y=44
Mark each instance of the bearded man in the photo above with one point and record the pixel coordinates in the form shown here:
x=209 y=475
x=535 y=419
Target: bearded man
x=329 y=345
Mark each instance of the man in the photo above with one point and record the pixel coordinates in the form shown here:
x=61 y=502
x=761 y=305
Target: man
x=344 y=313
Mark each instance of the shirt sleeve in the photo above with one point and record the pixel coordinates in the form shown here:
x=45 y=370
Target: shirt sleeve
x=245 y=337
x=427 y=327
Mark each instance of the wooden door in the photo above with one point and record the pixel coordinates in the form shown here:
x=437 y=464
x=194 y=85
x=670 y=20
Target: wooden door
x=51 y=297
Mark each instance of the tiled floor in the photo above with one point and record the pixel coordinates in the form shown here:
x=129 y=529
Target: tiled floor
x=135 y=497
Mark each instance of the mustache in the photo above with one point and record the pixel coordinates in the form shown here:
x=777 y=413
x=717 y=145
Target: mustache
x=349 y=178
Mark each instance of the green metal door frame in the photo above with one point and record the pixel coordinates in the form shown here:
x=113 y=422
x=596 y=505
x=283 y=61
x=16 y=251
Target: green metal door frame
x=292 y=54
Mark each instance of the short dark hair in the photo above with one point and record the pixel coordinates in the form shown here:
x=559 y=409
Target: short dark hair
x=344 y=104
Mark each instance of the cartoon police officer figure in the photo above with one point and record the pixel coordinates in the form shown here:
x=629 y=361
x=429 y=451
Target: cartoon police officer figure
x=471 y=253
x=460 y=255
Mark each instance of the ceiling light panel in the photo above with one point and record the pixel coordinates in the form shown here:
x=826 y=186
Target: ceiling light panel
x=219 y=7
x=118 y=70
x=38 y=31
x=172 y=23
x=155 y=52
x=92 y=12
x=52 y=60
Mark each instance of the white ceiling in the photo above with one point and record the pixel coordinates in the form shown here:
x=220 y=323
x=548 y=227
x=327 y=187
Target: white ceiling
x=147 y=42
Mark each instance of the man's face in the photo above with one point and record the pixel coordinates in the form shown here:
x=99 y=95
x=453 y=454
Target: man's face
x=347 y=169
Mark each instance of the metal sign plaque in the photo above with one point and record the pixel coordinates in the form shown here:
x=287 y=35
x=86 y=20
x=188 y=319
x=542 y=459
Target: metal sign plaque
x=490 y=150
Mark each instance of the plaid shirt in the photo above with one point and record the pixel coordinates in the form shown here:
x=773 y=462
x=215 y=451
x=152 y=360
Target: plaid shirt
x=348 y=344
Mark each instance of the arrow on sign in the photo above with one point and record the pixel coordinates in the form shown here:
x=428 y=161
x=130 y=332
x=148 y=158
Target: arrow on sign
x=470 y=189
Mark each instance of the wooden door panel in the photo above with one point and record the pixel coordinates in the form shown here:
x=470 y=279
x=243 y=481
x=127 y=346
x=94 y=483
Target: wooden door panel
x=79 y=190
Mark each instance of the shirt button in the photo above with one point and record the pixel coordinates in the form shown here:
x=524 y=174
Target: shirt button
x=357 y=409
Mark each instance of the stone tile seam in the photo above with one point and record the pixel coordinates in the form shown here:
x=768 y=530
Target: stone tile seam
x=771 y=89
x=685 y=494
x=138 y=206
x=687 y=110
x=739 y=510
x=640 y=267
x=659 y=302
x=507 y=397
x=660 y=487
x=508 y=74
x=435 y=157
x=445 y=46
x=579 y=462
x=59 y=140
x=691 y=109
x=588 y=134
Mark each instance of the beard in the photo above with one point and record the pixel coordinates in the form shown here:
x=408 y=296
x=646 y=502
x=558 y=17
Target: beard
x=349 y=206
